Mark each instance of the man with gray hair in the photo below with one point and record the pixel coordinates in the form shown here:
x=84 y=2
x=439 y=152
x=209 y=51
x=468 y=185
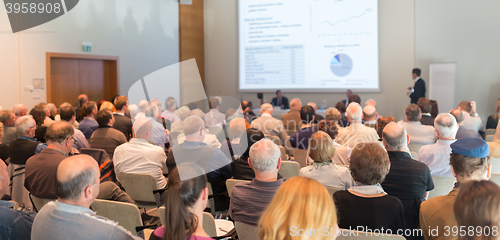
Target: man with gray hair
x=437 y=155
x=332 y=114
x=8 y=118
x=408 y=179
x=25 y=145
x=370 y=115
x=131 y=158
x=170 y=106
x=250 y=199
x=159 y=134
x=176 y=127
x=420 y=134
x=214 y=117
x=356 y=132
x=292 y=120
x=20 y=110
x=462 y=131
x=267 y=124
x=77 y=186
x=211 y=159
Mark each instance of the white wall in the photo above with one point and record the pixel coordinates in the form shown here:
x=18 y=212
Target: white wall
x=143 y=34
x=466 y=32
x=397 y=54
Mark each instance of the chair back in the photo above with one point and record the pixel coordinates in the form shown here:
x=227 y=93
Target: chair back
x=18 y=192
x=300 y=156
x=275 y=139
x=105 y=163
x=495 y=177
x=211 y=202
x=442 y=186
x=346 y=234
x=495 y=165
x=125 y=214
x=246 y=231
x=414 y=147
x=230 y=184
x=490 y=131
x=208 y=221
x=332 y=190
x=283 y=153
x=289 y=169
x=489 y=138
x=38 y=203
x=140 y=187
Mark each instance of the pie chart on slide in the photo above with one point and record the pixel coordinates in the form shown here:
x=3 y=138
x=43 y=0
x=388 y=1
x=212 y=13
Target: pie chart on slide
x=341 y=65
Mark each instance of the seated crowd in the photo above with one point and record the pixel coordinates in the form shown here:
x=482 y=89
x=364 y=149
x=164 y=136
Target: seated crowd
x=360 y=170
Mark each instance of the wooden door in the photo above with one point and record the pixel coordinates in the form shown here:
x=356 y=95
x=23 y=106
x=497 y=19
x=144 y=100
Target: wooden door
x=191 y=34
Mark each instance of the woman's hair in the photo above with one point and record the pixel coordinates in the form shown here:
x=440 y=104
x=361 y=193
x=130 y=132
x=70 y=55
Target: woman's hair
x=330 y=127
x=381 y=123
x=185 y=184
x=369 y=163
x=38 y=114
x=341 y=107
x=321 y=148
x=107 y=105
x=300 y=203
x=478 y=205
x=253 y=136
x=497 y=106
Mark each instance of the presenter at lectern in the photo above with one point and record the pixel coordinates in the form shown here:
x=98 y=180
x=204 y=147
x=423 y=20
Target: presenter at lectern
x=418 y=90
x=280 y=101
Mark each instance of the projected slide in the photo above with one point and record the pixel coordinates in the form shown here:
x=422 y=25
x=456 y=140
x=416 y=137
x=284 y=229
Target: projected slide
x=308 y=44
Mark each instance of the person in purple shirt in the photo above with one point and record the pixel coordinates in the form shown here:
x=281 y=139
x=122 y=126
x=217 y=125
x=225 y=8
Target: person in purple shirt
x=300 y=139
x=88 y=125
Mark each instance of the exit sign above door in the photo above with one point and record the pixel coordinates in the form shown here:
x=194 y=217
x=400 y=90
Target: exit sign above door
x=86 y=46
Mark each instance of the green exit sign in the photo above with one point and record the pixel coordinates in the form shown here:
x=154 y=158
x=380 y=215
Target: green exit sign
x=86 y=46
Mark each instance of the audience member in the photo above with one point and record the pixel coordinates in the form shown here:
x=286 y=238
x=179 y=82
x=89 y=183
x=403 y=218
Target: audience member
x=240 y=167
x=159 y=134
x=419 y=134
x=366 y=204
x=371 y=102
x=4 y=148
x=164 y=122
x=57 y=118
x=20 y=110
x=139 y=156
x=14 y=223
x=425 y=106
x=317 y=117
x=437 y=156
x=133 y=111
x=25 y=145
x=493 y=119
x=346 y=102
x=408 y=179
x=67 y=114
x=342 y=153
x=237 y=129
x=38 y=115
x=88 y=125
x=291 y=120
x=344 y=122
x=270 y=126
x=47 y=122
x=381 y=123
x=214 y=117
x=122 y=122
x=210 y=139
x=495 y=145
x=341 y=107
x=186 y=198
x=52 y=110
x=462 y=131
x=183 y=114
x=80 y=112
x=108 y=106
x=370 y=115
x=105 y=137
x=300 y=139
x=333 y=114
x=168 y=114
x=8 y=118
x=323 y=169
x=280 y=101
x=469 y=161
x=143 y=104
x=356 y=132
x=300 y=203
x=249 y=200
x=477 y=205
x=211 y=159
x=471 y=118
x=247 y=111
x=77 y=186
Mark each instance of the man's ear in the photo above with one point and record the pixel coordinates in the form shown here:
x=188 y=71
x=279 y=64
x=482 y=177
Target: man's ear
x=407 y=138
x=250 y=163
x=279 y=163
x=453 y=171
x=488 y=173
x=88 y=192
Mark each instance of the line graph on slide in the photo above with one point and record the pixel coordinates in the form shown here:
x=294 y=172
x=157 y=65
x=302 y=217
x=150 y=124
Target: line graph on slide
x=348 y=19
x=330 y=19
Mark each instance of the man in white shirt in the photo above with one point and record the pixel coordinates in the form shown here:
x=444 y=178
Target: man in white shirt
x=139 y=156
x=437 y=156
x=356 y=132
x=370 y=115
x=159 y=134
x=210 y=139
x=170 y=106
x=269 y=125
x=214 y=117
x=419 y=134
x=472 y=120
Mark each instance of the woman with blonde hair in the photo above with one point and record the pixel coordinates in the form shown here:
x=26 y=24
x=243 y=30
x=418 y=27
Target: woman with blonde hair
x=301 y=209
x=323 y=169
x=108 y=105
x=495 y=145
x=493 y=119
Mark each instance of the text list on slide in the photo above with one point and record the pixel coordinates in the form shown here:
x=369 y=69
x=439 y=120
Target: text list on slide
x=308 y=44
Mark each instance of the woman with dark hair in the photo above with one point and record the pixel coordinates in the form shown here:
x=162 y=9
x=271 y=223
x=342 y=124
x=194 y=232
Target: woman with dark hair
x=493 y=119
x=185 y=199
x=38 y=114
x=241 y=169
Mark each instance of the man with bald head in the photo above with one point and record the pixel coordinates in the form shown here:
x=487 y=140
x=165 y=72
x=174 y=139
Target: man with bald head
x=211 y=159
x=20 y=110
x=69 y=217
x=292 y=120
x=408 y=179
x=462 y=131
x=370 y=115
x=356 y=132
x=131 y=158
x=269 y=125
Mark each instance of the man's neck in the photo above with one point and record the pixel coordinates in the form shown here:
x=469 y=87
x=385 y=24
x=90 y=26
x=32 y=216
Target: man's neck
x=26 y=135
x=270 y=176
x=78 y=202
x=305 y=125
x=353 y=122
x=57 y=147
x=120 y=111
x=90 y=116
x=441 y=138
